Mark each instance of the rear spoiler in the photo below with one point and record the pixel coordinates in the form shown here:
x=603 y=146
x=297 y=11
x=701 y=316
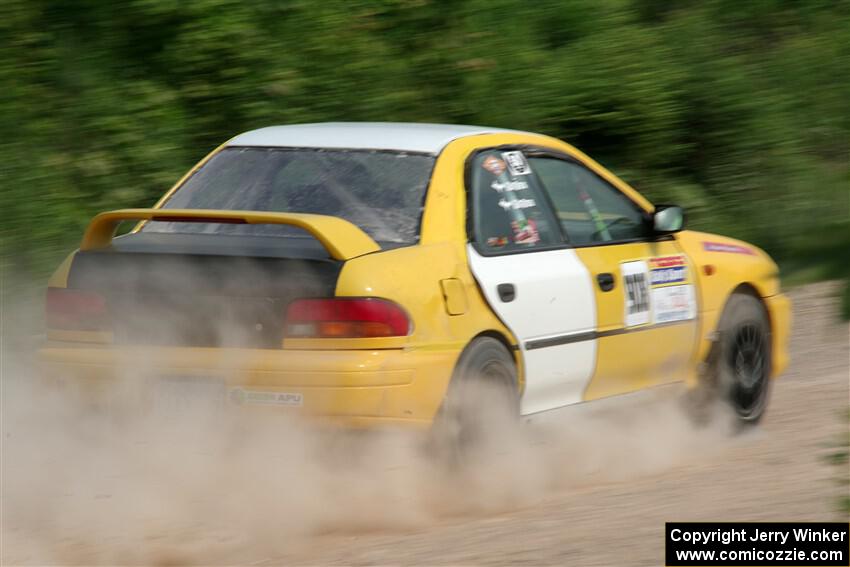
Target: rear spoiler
x=342 y=239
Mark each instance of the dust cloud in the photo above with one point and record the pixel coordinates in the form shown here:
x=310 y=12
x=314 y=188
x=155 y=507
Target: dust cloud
x=109 y=483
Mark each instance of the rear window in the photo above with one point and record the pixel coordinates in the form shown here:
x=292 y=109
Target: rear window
x=381 y=192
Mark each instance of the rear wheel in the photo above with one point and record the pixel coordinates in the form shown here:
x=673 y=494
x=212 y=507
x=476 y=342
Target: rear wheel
x=482 y=402
x=740 y=365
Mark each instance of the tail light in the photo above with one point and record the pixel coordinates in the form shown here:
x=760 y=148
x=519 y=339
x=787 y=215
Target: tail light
x=344 y=318
x=77 y=310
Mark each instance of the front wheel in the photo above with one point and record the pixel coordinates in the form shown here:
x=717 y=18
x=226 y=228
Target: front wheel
x=741 y=364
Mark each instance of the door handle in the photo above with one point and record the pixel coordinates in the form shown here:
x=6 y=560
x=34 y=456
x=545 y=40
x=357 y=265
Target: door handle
x=507 y=292
x=605 y=281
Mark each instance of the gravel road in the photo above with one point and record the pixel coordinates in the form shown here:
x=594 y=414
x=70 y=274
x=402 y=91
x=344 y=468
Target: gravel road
x=775 y=473
x=593 y=486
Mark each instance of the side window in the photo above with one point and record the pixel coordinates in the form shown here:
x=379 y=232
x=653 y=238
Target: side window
x=589 y=209
x=510 y=211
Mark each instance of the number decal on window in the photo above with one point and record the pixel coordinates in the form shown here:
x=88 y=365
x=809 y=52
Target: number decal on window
x=516 y=163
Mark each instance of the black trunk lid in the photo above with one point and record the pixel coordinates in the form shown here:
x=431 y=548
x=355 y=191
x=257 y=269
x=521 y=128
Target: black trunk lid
x=204 y=290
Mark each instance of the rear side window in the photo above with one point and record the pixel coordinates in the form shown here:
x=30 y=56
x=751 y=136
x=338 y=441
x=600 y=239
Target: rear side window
x=510 y=212
x=381 y=192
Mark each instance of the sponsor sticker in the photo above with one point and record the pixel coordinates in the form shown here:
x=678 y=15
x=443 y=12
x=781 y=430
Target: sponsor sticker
x=728 y=248
x=516 y=163
x=517 y=204
x=494 y=165
x=665 y=276
x=497 y=241
x=673 y=303
x=525 y=231
x=637 y=299
x=241 y=396
x=666 y=262
x=509 y=186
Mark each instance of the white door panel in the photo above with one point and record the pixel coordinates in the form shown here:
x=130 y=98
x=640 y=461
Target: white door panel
x=553 y=316
x=556 y=376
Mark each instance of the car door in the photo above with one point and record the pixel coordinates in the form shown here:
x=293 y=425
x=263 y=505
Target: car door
x=530 y=277
x=643 y=284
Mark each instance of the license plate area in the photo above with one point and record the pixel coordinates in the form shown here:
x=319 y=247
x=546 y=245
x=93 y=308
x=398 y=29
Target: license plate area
x=180 y=395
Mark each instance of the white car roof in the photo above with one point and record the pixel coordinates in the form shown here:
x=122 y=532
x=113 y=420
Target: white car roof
x=399 y=136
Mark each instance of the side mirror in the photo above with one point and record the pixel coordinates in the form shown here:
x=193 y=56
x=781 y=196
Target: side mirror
x=668 y=219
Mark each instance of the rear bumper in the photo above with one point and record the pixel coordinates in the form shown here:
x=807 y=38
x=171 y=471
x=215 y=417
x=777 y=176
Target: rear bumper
x=779 y=311
x=358 y=388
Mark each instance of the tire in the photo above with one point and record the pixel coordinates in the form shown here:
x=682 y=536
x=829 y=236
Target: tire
x=482 y=401
x=740 y=367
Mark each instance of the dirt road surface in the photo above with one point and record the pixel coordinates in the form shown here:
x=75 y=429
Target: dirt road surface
x=593 y=486
x=773 y=474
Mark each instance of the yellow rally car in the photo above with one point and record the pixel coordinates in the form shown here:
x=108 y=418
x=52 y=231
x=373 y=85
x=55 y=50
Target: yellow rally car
x=366 y=271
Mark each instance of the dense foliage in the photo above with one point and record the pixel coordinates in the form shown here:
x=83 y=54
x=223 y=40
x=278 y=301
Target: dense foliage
x=740 y=111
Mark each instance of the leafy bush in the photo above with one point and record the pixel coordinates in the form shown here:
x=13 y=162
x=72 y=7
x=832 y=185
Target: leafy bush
x=839 y=457
x=738 y=111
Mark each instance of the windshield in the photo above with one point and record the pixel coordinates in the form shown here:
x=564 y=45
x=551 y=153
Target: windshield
x=381 y=192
